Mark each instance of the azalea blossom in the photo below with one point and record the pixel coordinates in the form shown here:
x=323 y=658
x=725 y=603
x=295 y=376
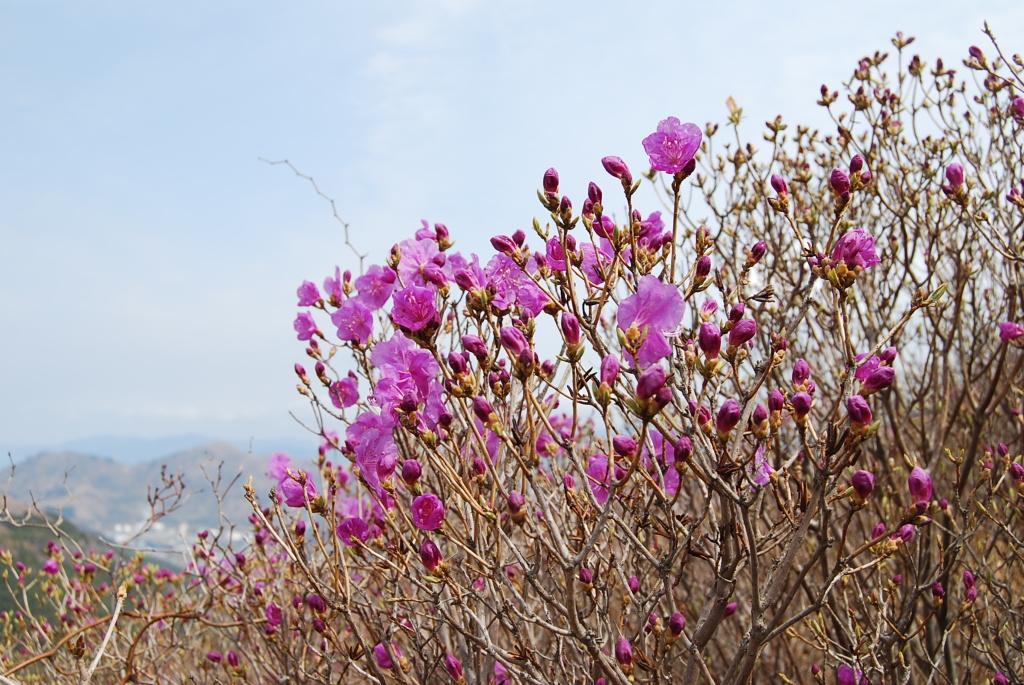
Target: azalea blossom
x=672 y=145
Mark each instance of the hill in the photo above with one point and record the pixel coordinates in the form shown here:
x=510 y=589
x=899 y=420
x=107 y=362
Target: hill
x=115 y=500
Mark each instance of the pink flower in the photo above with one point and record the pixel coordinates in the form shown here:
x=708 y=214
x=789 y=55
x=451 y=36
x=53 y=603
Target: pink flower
x=308 y=294
x=415 y=308
x=353 y=527
x=354 y=321
x=427 y=512
x=760 y=469
x=672 y=145
x=376 y=286
x=345 y=392
x=305 y=326
x=292 y=491
x=1009 y=331
x=51 y=567
x=273 y=614
x=597 y=475
x=856 y=248
x=657 y=307
x=380 y=652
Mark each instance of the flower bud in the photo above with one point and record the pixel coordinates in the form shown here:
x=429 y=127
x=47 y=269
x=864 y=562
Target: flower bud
x=650 y=382
x=483 y=409
x=475 y=346
x=728 y=416
x=710 y=340
x=801 y=372
x=839 y=182
x=878 y=531
x=570 y=326
x=430 y=555
x=920 y=485
x=880 y=379
x=776 y=401
x=551 y=182
x=683 y=449
x=802 y=402
x=609 y=369
x=955 y=176
x=779 y=185
x=514 y=340
x=758 y=250
x=452 y=665
x=859 y=410
x=730 y=609
x=856 y=164
x=624 y=445
x=594 y=193
x=703 y=268
x=938 y=592
x=742 y=331
x=617 y=168
x=477 y=467
x=676 y=624
x=516 y=506
x=863 y=483
x=624 y=654
x=504 y=244
x=1017 y=472
x=634 y=584
x=411 y=471
x=586 y=576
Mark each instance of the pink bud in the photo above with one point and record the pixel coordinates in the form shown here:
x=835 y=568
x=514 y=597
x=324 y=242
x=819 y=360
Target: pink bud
x=676 y=624
x=411 y=471
x=451 y=664
x=863 y=483
x=839 y=182
x=430 y=555
x=802 y=404
x=779 y=185
x=801 y=372
x=955 y=175
x=634 y=584
x=617 y=168
x=551 y=181
x=570 y=328
x=920 y=485
x=710 y=340
x=730 y=609
x=728 y=416
x=742 y=331
x=856 y=164
x=859 y=410
x=624 y=652
x=609 y=369
x=758 y=250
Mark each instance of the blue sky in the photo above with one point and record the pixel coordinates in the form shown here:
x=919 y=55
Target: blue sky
x=149 y=261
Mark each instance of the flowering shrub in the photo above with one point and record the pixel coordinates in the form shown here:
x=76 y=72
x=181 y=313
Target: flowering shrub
x=758 y=433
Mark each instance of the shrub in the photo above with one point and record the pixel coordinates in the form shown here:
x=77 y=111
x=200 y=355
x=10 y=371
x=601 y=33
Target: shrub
x=762 y=433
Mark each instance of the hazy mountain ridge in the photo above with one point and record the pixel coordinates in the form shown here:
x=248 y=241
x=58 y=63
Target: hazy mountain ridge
x=130 y=450
x=109 y=498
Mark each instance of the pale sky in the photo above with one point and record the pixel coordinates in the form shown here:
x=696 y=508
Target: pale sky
x=149 y=261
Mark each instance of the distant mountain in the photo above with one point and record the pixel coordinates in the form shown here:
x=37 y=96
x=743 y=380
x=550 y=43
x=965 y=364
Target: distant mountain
x=109 y=497
x=129 y=450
